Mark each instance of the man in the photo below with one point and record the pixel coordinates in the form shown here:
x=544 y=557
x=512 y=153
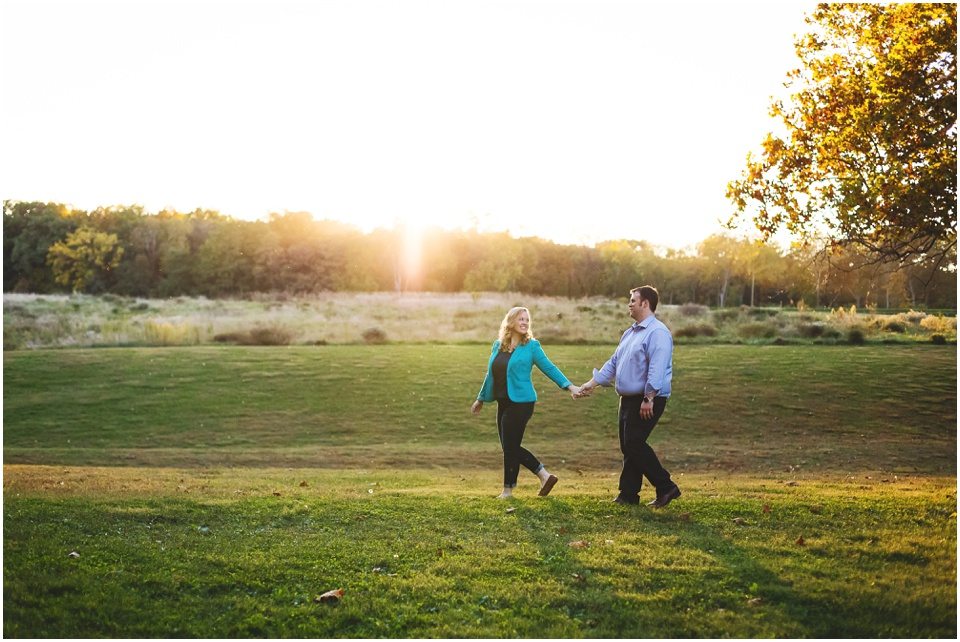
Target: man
x=642 y=367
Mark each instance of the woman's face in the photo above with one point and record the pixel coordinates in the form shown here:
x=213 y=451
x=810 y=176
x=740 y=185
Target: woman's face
x=522 y=323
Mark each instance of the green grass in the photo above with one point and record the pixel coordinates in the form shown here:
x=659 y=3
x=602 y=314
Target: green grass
x=215 y=491
x=757 y=409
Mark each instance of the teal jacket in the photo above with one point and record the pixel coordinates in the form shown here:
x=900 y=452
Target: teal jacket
x=519 y=383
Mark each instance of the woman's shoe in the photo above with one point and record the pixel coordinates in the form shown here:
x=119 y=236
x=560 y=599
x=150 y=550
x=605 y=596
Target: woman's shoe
x=548 y=486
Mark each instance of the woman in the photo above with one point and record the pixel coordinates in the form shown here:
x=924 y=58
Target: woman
x=508 y=381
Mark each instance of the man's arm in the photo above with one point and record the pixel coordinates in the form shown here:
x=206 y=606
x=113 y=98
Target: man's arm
x=659 y=352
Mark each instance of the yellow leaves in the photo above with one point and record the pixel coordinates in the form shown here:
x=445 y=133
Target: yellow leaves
x=330 y=597
x=84 y=255
x=872 y=100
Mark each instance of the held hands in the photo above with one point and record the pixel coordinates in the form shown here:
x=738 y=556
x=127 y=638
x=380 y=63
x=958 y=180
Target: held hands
x=579 y=392
x=585 y=390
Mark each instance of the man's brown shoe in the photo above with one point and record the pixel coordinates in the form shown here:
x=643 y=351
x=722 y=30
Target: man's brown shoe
x=666 y=498
x=548 y=486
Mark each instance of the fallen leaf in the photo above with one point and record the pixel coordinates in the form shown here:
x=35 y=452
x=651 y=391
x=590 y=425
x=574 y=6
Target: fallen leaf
x=792 y=483
x=579 y=472
x=73 y=554
x=739 y=521
x=816 y=510
x=330 y=597
x=579 y=578
x=766 y=508
x=684 y=517
x=304 y=484
x=276 y=493
x=801 y=541
x=512 y=509
x=756 y=601
x=579 y=544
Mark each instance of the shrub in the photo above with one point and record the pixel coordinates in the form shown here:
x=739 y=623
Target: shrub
x=696 y=330
x=811 y=330
x=374 y=336
x=938 y=339
x=229 y=337
x=914 y=317
x=892 y=325
x=757 y=330
x=939 y=324
x=693 y=310
x=270 y=336
x=855 y=336
x=260 y=336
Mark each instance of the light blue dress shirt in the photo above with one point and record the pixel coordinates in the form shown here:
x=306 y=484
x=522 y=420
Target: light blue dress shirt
x=642 y=363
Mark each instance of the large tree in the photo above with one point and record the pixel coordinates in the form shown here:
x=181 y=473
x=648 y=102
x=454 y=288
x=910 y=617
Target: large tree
x=85 y=260
x=869 y=142
x=29 y=229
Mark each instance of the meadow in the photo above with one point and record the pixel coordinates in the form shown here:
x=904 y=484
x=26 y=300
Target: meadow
x=48 y=321
x=218 y=490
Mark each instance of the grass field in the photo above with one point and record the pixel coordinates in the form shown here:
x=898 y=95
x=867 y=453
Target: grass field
x=216 y=491
x=32 y=321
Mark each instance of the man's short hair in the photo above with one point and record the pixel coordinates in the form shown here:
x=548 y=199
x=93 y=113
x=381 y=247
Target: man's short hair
x=648 y=293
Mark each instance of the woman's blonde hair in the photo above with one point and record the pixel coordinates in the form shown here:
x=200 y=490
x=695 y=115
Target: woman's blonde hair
x=508 y=328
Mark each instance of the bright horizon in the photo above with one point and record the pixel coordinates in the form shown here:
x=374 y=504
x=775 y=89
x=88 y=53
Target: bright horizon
x=576 y=122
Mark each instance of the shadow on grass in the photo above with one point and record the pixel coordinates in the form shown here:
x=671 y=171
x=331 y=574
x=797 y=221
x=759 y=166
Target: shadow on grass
x=449 y=566
x=659 y=593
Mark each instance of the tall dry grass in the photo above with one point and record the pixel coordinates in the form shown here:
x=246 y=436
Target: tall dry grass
x=32 y=321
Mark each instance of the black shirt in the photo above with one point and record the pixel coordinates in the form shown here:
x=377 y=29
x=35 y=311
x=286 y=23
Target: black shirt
x=500 y=375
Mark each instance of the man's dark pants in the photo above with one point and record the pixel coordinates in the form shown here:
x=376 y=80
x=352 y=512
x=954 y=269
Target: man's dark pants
x=639 y=459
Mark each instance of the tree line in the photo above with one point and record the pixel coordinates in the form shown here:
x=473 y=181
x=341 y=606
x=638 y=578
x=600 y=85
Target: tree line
x=51 y=248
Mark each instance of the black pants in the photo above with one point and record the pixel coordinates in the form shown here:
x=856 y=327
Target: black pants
x=512 y=420
x=639 y=460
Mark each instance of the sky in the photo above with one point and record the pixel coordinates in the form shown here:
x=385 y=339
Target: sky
x=575 y=121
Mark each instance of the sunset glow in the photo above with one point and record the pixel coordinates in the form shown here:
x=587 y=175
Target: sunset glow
x=576 y=121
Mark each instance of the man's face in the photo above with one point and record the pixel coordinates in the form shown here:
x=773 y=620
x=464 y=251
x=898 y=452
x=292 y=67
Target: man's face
x=635 y=306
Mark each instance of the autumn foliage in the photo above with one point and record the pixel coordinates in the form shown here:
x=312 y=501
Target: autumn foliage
x=868 y=144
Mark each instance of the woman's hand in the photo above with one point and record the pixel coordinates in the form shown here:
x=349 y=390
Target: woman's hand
x=476 y=407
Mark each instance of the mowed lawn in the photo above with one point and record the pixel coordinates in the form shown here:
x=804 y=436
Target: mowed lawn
x=217 y=491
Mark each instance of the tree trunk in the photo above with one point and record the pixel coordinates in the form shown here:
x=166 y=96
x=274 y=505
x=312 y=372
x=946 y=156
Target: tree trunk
x=723 y=288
